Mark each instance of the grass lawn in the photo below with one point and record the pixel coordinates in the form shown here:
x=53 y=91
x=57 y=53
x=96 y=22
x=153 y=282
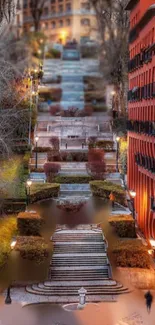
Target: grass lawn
x=13 y=174
x=8 y=229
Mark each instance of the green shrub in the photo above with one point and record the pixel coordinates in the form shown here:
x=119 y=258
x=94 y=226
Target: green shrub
x=8 y=229
x=131 y=253
x=42 y=149
x=104 y=188
x=106 y=145
x=73 y=179
x=32 y=248
x=26 y=159
x=53 y=54
x=124 y=225
x=100 y=108
x=29 y=224
x=42 y=191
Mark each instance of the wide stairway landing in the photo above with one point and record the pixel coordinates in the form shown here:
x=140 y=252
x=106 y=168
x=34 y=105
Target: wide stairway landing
x=79 y=260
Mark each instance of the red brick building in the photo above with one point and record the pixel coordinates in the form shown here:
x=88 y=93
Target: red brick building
x=141 y=111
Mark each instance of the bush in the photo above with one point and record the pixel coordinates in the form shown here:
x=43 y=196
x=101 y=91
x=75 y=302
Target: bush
x=32 y=248
x=8 y=229
x=71 y=207
x=51 y=169
x=42 y=191
x=124 y=225
x=53 y=54
x=73 y=179
x=29 y=224
x=26 y=159
x=131 y=253
x=42 y=149
x=100 y=108
x=36 y=170
x=74 y=156
x=104 y=188
x=96 y=164
x=106 y=145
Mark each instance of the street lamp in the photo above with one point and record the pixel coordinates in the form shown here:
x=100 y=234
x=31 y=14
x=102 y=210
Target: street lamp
x=133 y=195
x=117 y=153
x=36 y=140
x=8 y=300
x=28 y=183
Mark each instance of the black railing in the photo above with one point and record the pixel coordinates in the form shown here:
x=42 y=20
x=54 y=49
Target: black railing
x=143 y=127
x=141 y=58
x=145 y=162
x=140 y=93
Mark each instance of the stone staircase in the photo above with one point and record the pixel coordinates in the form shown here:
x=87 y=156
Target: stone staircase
x=79 y=260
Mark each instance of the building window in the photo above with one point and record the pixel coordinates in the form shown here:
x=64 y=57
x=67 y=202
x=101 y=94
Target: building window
x=68 y=7
x=61 y=23
x=60 y=8
x=53 y=1
x=85 y=22
x=68 y=22
x=53 y=9
x=85 y=5
x=46 y=11
x=53 y=24
x=25 y=4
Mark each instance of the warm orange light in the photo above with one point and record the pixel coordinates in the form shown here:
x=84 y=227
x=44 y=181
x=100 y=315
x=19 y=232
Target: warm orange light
x=132 y=194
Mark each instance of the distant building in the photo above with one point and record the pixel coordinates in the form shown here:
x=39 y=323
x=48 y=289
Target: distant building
x=64 y=20
x=141 y=110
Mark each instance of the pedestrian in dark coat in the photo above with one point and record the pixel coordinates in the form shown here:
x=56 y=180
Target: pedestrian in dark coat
x=149 y=299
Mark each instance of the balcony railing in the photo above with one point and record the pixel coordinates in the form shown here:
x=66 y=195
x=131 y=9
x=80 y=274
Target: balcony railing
x=145 y=162
x=142 y=127
x=144 y=57
x=140 y=93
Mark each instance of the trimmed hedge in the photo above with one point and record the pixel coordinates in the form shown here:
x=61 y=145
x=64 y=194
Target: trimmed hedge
x=104 y=188
x=42 y=149
x=8 y=229
x=73 y=179
x=32 y=248
x=131 y=253
x=42 y=191
x=29 y=224
x=106 y=145
x=124 y=225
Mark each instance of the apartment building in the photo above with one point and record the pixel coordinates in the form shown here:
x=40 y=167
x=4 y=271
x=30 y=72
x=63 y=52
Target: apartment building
x=64 y=20
x=141 y=109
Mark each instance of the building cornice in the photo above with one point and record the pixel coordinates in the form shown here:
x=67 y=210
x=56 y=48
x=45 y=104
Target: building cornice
x=131 y=4
x=149 y=14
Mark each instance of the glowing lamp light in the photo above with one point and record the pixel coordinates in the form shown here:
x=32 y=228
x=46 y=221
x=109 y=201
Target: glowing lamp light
x=36 y=138
x=152 y=242
x=150 y=251
x=13 y=243
x=29 y=183
x=39 y=51
x=132 y=194
x=117 y=139
x=113 y=92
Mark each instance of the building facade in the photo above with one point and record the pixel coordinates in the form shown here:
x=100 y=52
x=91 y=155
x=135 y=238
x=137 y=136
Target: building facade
x=141 y=111
x=64 y=20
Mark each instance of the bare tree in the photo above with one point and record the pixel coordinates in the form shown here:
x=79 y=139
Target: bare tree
x=113 y=24
x=37 y=7
x=6 y=10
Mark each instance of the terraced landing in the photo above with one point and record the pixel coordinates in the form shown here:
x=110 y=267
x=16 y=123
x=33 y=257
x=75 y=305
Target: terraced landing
x=79 y=260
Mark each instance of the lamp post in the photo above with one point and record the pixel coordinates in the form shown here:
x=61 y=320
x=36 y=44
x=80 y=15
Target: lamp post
x=117 y=153
x=28 y=183
x=30 y=110
x=133 y=195
x=8 y=300
x=36 y=162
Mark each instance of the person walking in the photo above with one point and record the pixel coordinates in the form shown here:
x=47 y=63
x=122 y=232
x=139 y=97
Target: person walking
x=82 y=145
x=112 y=199
x=149 y=299
x=66 y=145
